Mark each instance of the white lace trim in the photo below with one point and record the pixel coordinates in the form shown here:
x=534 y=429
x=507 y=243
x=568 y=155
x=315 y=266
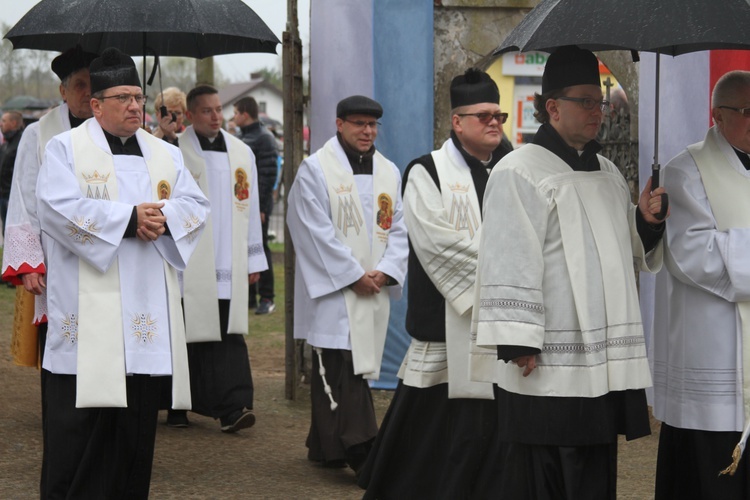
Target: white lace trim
x=22 y=246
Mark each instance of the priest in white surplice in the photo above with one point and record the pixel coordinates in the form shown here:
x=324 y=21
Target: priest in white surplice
x=229 y=255
x=440 y=426
x=346 y=222
x=23 y=258
x=702 y=314
x=556 y=295
x=113 y=244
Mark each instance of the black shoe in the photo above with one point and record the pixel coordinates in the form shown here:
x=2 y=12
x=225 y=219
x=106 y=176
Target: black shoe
x=241 y=419
x=177 y=418
x=266 y=306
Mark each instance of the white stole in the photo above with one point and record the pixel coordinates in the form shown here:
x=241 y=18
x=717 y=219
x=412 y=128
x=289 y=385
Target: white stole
x=462 y=206
x=50 y=125
x=368 y=315
x=728 y=194
x=101 y=351
x=199 y=278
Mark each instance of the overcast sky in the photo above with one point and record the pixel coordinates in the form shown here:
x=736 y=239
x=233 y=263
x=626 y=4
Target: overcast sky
x=236 y=67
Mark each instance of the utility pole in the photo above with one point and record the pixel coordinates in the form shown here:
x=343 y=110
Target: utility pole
x=293 y=124
x=204 y=71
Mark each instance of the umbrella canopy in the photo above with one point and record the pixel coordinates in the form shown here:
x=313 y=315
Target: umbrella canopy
x=669 y=27
x=27 y=102
x=184 y=28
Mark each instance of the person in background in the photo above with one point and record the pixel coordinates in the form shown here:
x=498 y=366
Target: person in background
x=169 y=108
x=11 y=126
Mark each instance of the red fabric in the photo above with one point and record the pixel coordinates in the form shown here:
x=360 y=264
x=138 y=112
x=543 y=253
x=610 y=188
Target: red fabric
x=14 y=275
x=722 y=61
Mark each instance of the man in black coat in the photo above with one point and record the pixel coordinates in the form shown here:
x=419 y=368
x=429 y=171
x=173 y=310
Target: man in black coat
x=263 y=144
x=11 y=126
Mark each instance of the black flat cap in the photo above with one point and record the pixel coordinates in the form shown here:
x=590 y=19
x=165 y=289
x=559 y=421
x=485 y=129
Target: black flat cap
x=473 y=87
x=358 y=105
x=112 y=69
x=568 y=66
x=71 y=61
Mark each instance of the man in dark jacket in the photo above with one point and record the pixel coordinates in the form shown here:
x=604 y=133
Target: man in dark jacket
x=12 y=127
x=263 y=144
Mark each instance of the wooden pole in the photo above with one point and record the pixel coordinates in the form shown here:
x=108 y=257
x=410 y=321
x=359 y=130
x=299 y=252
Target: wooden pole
x=293 y=124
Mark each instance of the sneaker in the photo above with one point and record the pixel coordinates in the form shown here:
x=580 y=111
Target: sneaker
x=241 y=419
x=177 y=418
x=266 y=306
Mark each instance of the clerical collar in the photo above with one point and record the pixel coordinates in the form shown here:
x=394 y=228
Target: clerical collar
x=743 y=158
x=74 y=120
x=586 y=161
x=119 y=147
x=218 y=144
x=361 y=163
x=474 y=162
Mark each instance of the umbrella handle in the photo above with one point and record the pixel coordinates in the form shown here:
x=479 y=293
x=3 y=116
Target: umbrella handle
x=655 y=170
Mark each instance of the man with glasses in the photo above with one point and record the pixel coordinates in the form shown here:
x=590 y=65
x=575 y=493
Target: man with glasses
x=113 y=247
x=349 y=262
x=229 y=257
x=702 y=313
x=557 y=297
x=441 y=426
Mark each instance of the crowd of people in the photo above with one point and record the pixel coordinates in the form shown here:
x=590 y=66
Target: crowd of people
x=137 y=256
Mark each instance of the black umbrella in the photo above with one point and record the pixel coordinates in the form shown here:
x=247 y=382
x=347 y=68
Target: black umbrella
x=186 y=28
x=669 y=27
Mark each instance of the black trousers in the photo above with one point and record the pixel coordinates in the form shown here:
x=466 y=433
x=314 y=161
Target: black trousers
x=689 y=462
x=537 y=472
x=429 y=446
x=346 y=434
x=264 y=286
x=220 y=378
x=99 y=452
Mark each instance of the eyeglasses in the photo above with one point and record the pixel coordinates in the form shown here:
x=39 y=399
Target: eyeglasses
x=362 y=124
x=588 y=103
x=486 y=118
x=140 y=99
x=743 y=111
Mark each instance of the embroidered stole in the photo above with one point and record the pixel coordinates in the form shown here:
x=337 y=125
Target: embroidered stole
x=728 y=194
x=101 y=369
x=199 y=279
x=368 y=315
x=462 y=206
